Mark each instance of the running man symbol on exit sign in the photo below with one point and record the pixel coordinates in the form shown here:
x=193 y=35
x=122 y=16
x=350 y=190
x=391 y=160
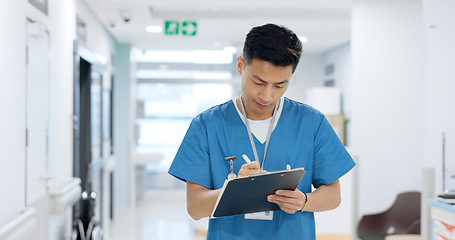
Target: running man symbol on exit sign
x=171 y=27
x=185 y=28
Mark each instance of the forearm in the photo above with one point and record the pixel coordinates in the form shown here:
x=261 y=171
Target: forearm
x=326 y=197
x=200 y=200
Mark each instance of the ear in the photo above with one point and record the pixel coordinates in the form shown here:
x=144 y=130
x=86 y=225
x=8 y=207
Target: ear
x=240 y=64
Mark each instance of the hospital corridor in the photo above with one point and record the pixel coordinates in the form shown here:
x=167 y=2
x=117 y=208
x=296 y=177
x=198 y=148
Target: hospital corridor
x=135 y=119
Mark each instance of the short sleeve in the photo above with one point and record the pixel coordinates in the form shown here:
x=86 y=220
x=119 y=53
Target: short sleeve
x=191 y=162
x=331 y=160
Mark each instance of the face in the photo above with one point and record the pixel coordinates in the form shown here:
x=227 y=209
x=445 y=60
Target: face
x=263 y=84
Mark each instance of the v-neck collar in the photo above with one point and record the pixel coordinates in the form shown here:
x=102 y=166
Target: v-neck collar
x=239 y=117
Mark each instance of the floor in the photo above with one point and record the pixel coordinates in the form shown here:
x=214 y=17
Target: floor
x=159 y=215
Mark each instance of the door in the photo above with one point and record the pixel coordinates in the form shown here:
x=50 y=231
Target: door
x=87 y=140
x=37 y=111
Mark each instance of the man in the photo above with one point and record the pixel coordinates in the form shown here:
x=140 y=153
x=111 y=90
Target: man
x=277 y=132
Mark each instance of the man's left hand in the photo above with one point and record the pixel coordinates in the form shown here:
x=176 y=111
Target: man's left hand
x=289 y=201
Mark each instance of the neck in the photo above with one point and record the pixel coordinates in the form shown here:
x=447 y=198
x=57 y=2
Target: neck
x=249 y=114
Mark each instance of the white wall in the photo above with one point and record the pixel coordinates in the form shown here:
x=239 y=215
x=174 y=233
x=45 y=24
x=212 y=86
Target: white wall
x=97 y=38
x=309 y=73
x=63 y=30
x=387 y=112
x=12 y=109
x=62 y=26
x=340 y=58
x=439 y=115
x=60 y=23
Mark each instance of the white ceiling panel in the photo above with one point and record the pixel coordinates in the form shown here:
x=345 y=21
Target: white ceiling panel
x=326 y=23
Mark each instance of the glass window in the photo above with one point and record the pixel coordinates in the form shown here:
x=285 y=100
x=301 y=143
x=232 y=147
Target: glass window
x=95 y=115
x=166 y=113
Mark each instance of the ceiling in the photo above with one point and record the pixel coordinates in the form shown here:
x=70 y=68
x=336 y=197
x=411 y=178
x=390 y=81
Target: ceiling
x=326 y=23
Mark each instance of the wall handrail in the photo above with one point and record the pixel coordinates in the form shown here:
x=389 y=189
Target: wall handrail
x=20 y=228
x=64 y=196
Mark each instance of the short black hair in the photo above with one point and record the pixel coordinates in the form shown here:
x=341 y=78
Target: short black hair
x=272 y=43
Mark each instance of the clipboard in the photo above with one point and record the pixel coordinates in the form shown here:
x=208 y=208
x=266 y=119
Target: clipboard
x=249 y=194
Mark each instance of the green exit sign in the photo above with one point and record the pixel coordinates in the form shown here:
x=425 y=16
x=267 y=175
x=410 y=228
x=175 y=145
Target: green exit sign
x=185 y=28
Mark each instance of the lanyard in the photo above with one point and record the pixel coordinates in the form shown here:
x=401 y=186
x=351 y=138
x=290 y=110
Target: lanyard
x=269 y=133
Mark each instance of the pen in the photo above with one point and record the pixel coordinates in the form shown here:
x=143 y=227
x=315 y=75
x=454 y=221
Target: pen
x=245 y=157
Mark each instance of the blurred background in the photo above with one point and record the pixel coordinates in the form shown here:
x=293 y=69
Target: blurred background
x=97 y=95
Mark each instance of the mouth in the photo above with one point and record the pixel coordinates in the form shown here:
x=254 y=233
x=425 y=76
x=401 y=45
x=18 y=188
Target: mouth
x=261 y=105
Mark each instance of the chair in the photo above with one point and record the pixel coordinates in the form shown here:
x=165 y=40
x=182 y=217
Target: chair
x=402 y=218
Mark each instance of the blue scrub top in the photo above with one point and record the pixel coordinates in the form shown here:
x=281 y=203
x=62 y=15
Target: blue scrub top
x=302 y=138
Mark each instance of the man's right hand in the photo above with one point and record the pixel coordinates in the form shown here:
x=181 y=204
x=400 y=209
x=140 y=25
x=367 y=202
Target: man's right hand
x=250 y=169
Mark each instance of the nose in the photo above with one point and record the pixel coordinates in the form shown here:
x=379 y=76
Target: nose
x=266 y=94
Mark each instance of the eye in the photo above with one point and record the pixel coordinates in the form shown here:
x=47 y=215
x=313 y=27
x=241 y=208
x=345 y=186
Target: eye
x=257 y=83
x=278 y=86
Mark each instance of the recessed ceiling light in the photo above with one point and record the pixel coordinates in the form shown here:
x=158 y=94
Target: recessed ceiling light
x=303 y=39
x=154 y=29
x=196 y=56
x=230 y=49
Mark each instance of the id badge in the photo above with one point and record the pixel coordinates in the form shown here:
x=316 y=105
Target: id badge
x=267 y=215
